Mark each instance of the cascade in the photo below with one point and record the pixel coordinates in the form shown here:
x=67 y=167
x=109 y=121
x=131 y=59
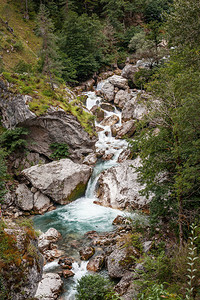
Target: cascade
x=82 y=215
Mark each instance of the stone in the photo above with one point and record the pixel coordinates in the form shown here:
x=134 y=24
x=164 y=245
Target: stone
x=118 y=81
x=86 y=253
x=118 y=187
x=109 y=121
x=108 y=91
x=119 y=220
x=50 y=287
x=67 y=273
x=61 y=180
x=135 y=108
x=124 y=155
x=107 y=107
x=96 y=264
x=126 y=129
x=107 y=156
x=41 y=202
x=147 y=246
x=114 y=263
x=129 y=71
x=90 y=160
x=121 y=98
x=66 y=262
x=124 y=283
x=51 y=255
x=98 y=112
x=24 y=197
x=45 y=239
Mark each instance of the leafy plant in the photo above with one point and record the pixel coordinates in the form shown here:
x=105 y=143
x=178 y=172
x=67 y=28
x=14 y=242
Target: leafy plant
x=14 y=139
x=157 y=292
x=60 y=150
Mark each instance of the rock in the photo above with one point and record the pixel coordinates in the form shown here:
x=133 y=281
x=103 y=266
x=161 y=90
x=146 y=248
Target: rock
x=90 y=160
x=118 y=81
x=86 y=253
x=28 y=161
x=50 y=287
x=66 y=262
x=61 y=180
x=129 y=71
x=67 y=273
x=126 y=129
x=147 y=246
x=50 y=236
x=109 y=121
x=41 y=202
x=119 y=220
x=51 y=255
x=124 y=155
x=14 y=108
x=24 y=197
x=96 y=264
x=107 y=156
x=124 y=283
x=108 y=91
x=98 y=112
x=118 y=187
x=116 y=269
x=22 y=273
x=121 y=98
x=107 y=107
x=99 y=129
x=134 y=109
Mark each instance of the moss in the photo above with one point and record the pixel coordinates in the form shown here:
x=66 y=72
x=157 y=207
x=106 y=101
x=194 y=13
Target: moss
x=77 y=192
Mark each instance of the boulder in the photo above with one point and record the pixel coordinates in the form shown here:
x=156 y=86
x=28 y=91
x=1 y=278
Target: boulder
x=121 y=98
x=135 y=109
x=118 y=187
x=124 y=155
x=126 y=129
x=108 y=91
x=98 y=112
x=67 y=273
x=50 y=236
x=109 y=121
x=90 y=160
x=66 y=262
x=50 y=287
x=61 y=180
x=107 y=107
x=51 y=255
x=41 y=202
x=124 y=283
x=96 y=264
x=129 y=71
x=86 y=253
x=116 y=269
x=24 y=197
x=118 y=81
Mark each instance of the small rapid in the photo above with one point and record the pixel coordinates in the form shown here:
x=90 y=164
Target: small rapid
x=82 y=215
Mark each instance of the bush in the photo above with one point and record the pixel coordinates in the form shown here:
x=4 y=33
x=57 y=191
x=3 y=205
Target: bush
x=95 y=287
x=12 y=140
x=60 y=150
x=18 y=46
x=158 y=292
x=22 y=67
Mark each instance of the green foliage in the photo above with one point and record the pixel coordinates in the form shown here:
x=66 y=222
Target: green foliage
x=142 y=77
x=14 y=139
x=18 y=46
x=22 y=67
x=60 y=150
x=158 y=292
x=95 y=287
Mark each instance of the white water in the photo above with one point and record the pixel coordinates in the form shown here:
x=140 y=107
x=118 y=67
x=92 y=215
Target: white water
x=82 y=215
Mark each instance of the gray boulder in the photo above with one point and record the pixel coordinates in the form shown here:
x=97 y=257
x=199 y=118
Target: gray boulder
x=135 y=108
x=49 y=287
x=118 y=81
x=61 y=180
x=121 y=98
x=108 y=91
x=118 y=187
x=126 y=129
x=24 y=197
x=41 y=202
x=129 y=71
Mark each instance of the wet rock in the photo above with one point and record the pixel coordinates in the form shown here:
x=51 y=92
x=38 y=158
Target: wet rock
x=107 y=156
x=129 y=71
x=50 y=236
x=107 y=107
x=119 y=220
x=124 y=155
x=109 y=121
x=90 y=160
x=121 y=98
x=50 y=287
x=98 y=112
x=51 y=255
x=24 y=197
x=108 y=91
x=118 y=187
x=86 y=253
x=99 y=129
x=60 y=180
x=66 y=262
x=118 y=81
x=96 y=264
x=41 y=202
x=126 y=129
x=67 y=273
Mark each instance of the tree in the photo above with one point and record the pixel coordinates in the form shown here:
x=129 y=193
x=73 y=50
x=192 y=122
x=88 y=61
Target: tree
x=50 y=63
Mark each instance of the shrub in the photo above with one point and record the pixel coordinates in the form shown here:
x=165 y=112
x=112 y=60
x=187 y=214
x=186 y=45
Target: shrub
x=18 y=46
x=157 y=291
x=60 y=150
x=12 y=140
x=22 y=67
x=95 y=287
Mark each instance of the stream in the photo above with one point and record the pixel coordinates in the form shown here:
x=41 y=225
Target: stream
x=75 y=219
